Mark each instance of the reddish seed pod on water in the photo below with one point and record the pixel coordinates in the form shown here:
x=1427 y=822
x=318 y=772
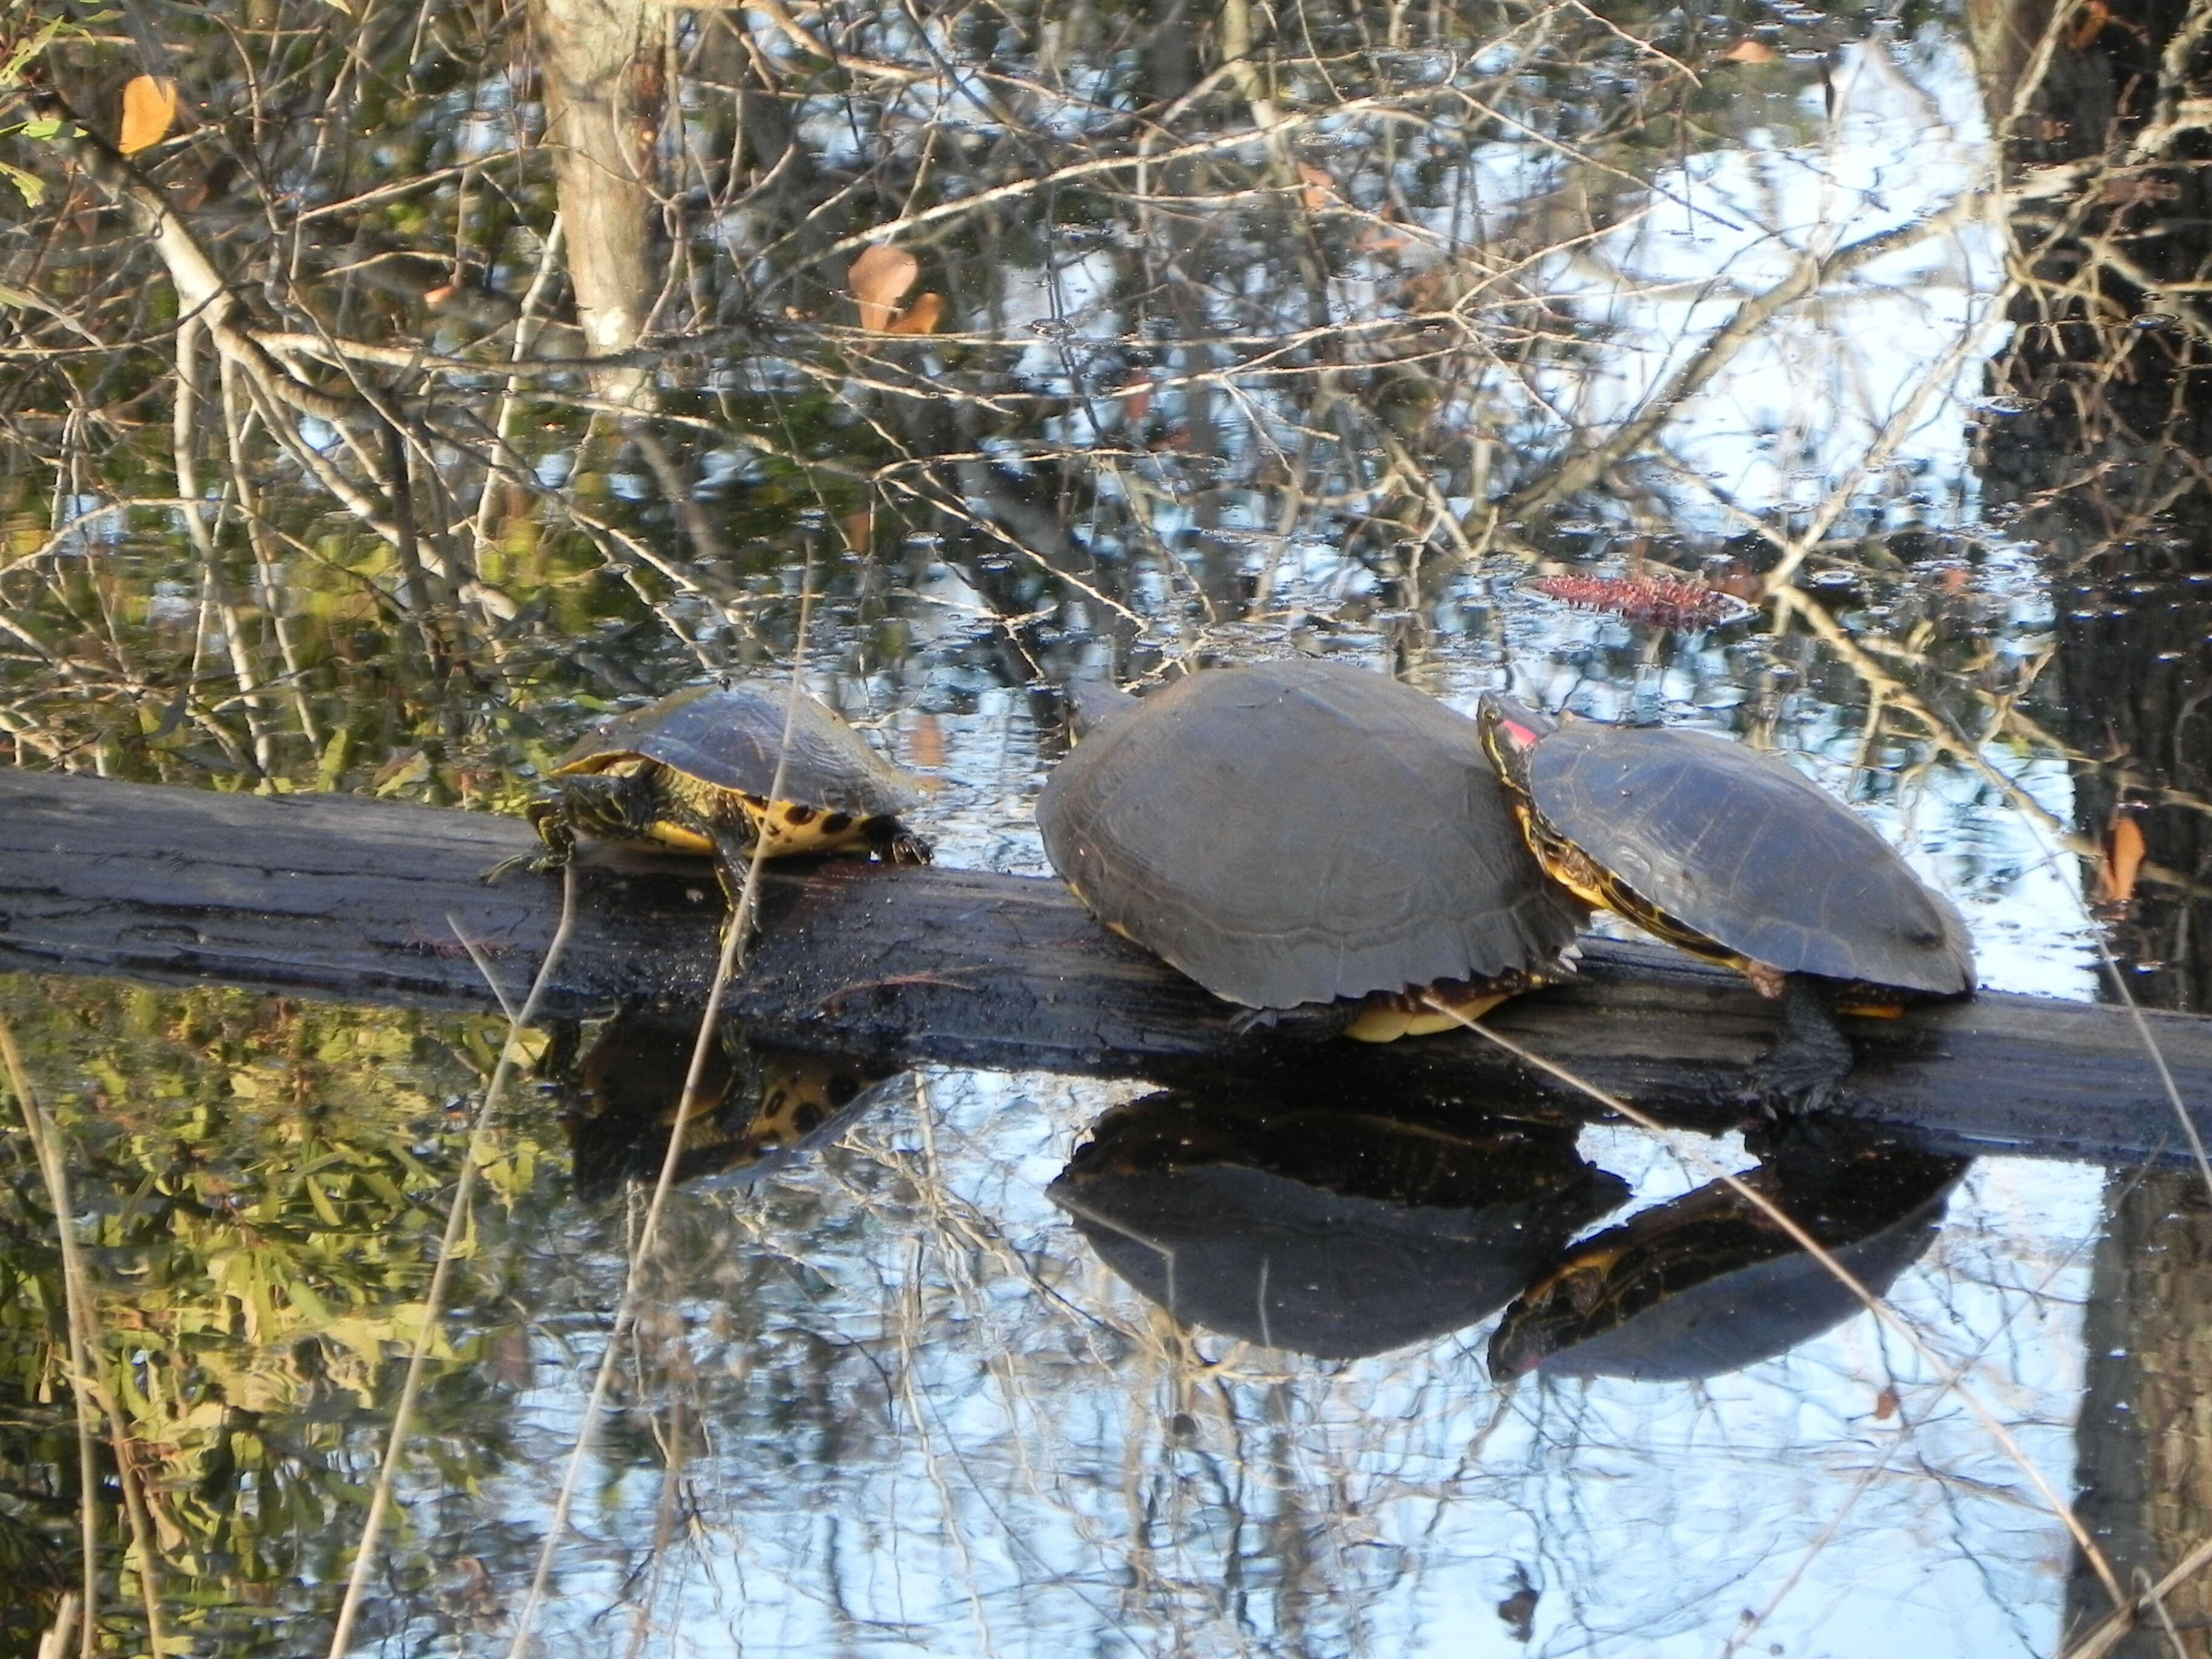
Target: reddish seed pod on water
x=1661 y=600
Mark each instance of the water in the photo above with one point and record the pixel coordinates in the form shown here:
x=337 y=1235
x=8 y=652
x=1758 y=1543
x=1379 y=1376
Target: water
x=1317 y=359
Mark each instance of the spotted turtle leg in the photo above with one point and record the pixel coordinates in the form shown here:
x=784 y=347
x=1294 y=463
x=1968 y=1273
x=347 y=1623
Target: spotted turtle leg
x=1810 y=1057
x=733 y=859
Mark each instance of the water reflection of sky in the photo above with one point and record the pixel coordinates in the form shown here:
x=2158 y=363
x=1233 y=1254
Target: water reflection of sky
x=1018 y=1455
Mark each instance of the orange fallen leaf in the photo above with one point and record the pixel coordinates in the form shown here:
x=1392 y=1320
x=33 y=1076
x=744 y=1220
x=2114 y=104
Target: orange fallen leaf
x=2124 y=850
x=878 y=280
x=1750 y=51
x=1885 y=1405
x=920 y=317
x=150 y=108
x=1319 y=186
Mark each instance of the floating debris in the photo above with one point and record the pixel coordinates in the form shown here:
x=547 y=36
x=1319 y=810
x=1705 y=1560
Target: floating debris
x=1663 y=600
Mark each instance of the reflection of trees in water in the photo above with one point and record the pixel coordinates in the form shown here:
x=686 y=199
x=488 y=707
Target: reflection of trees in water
x=908 y=1358
x=254 y=1186
x=2107 y=471
x=1186 y=365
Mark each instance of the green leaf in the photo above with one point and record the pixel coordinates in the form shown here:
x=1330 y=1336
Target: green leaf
x=31 y=188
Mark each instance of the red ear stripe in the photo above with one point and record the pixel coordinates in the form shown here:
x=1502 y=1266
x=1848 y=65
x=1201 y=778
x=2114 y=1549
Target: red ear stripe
x=1521 y=736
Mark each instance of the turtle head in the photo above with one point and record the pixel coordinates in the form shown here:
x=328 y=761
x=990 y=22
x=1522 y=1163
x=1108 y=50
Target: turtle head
x=1091 y=701
x=1509 y=732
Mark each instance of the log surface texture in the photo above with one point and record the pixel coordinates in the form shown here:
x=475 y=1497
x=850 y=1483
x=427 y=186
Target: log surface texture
x=341 y=897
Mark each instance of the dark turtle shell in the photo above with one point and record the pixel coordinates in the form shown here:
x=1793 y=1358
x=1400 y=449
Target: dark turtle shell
x=1327 y=1231
x=1735 y=847
x=1708 y=1284
x=1301 y=831
x=730 y=736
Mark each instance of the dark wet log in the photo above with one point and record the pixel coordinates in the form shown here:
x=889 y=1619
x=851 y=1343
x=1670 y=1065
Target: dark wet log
x=340 y=897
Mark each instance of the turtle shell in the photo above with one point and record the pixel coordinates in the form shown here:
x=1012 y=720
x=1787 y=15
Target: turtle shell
x=1301 y=831
x=1742 y=848
x=1326 y=1230
x=1707 y=1284
x=730 y=736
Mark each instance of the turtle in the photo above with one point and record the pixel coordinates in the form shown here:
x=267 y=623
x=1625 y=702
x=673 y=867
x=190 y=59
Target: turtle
x=758 y=1109
x=1322 y=1226
x=1736 y=857
x=1304 y=835
x=714 y=769
x=1708 y=1283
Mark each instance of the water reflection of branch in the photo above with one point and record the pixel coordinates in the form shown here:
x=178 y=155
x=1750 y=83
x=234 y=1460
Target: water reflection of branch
x=1579 y=472
x=1937 y=380
x=459 y=1217
x=1685 y=1148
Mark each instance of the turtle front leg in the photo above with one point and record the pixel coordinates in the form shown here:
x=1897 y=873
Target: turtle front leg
x=894 y=843
x=550 y=818
x=1811 y=1055
x=733 y=863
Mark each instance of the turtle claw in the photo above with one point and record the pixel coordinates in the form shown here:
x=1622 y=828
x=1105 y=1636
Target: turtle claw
x=534 y=862
x=1810 y=1058
x=903 y=846
x=1310 y=1022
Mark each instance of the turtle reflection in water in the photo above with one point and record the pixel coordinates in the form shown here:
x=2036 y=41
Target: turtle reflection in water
x=1301 y=834
x=1708 y=1283
x=1327 y=1230
x=722 y=770
x=761 y=1110
x=1736 y=857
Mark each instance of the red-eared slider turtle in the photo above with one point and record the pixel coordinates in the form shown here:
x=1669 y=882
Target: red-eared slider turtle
x=1709 y=1284
x=1300 y=832
x=1733 y=855
x=1322 y=1228
x=697 y=772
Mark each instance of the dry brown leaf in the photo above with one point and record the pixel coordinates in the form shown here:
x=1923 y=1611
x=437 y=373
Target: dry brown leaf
x=920 y=317
x=1885 y=1405
x=150 y=109
x=857 y=529
x=878 y=280
x=1319 y=186
x=1137 y=401
x=1750 y=51
x=2123 y=860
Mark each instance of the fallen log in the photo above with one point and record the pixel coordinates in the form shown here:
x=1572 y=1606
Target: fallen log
x=339 y=897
